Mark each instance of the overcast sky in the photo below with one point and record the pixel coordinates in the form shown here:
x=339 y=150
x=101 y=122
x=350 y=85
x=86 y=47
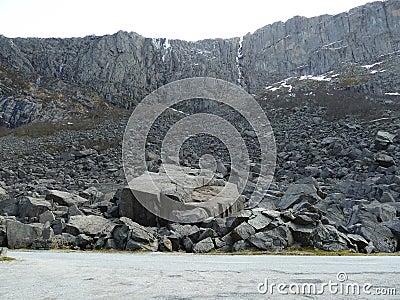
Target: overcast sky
x=183 y=19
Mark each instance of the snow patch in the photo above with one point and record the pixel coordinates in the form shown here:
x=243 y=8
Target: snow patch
x=393 y=94
x=279 y=85
x=316 y=78
x=156 y=43
x=371 y=66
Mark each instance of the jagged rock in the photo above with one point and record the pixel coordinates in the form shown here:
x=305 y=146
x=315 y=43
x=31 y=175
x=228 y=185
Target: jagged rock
x=387 y=197
x=130 y=235
x=240 y=246
x=218 y=225
x=83 y=241
x=89 y=225
x=8 y=205
x=32 y=207
x=383 y=139
x=188 y=244
x=328 y=238
x=381 y=236
x=259 y=222
x=58 y=225
x=297 y=193
x=204 y=246
x=73 y=210
x=243 y=231
x=47 y=216
x=21 y=235
x=302 y=233
x=394 y=226
x=66 y=199
x=209 y=232
x=165 y=244
x=384 y=160
x=275 y=239
x=191 y=231
x=359 y=241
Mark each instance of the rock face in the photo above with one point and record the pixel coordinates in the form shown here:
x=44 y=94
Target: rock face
x=124 y=67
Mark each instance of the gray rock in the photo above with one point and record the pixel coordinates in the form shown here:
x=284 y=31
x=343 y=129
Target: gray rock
x=302 y=233
x=66 y=199
x=394 y=226
x=130 y=235
x=384 y=160
x=89 y=225
x=240 y=246
x=58 y=225
x=21 y=235
x=243 y=231
x=359 y=241
x=259 y=222
x=328 y=238
x=187 y=244
x=47 y=216
x=381 y=236
x=262 y=241
x=297 y=193
x=32 y=207
x=204 y=246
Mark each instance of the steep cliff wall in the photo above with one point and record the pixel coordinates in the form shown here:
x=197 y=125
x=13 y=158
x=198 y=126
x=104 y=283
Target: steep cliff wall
x=124 y=67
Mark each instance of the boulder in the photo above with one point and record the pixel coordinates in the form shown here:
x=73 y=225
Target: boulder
x=259 y=222
x=297 y=193
x=302 y=233
x=394 y=226
x=381 y=236
x=8 y=205
x=243 y=231
x=384 y=160
x=275 y=239
x=204 y=246
x=66 y=199
x=89 y=225
x=21 y=235
x=130 y=235
x=47 y=216
x=328 y=238
x=32 y=207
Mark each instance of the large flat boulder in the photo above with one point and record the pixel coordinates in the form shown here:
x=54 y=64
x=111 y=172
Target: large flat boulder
x=66 y=199
x=90 y=225
x=21 y=235
x=152 y=198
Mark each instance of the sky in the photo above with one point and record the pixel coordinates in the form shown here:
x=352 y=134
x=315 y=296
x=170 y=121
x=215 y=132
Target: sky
x=175 y=19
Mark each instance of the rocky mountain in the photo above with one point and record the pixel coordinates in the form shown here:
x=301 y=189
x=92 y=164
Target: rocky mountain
x=123 y=68
x=330 y=86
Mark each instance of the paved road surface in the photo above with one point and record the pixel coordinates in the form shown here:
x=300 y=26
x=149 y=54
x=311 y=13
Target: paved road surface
x=89 y=275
